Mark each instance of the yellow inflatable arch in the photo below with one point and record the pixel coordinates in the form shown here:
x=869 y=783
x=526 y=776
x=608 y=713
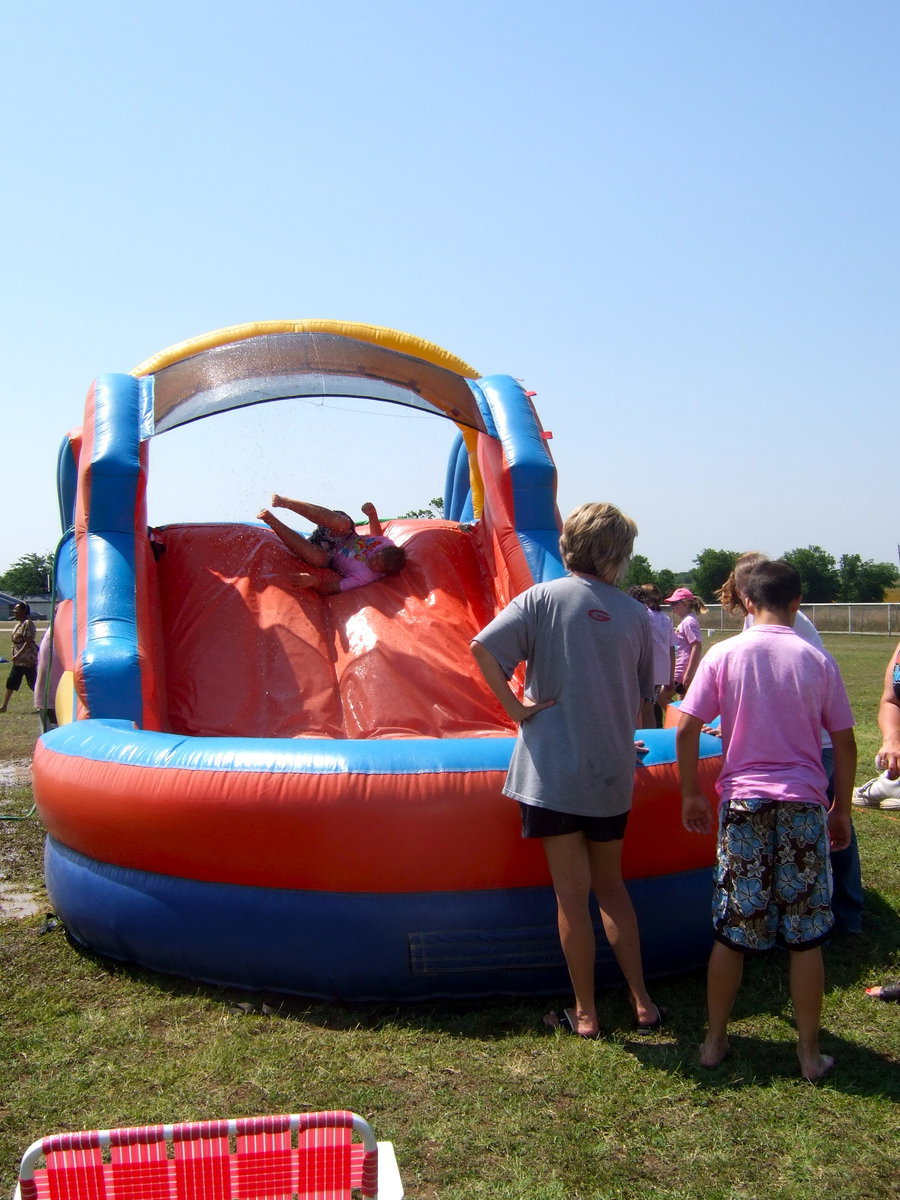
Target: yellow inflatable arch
x=391 y=339
x=378 y=335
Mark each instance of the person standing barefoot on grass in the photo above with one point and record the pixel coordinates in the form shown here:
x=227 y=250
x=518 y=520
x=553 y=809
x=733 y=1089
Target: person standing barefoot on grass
x=588 y=654
x=847 y=897
x=775 y=693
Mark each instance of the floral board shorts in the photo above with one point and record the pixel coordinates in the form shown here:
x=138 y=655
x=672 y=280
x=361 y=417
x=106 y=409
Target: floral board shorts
x=773 y=875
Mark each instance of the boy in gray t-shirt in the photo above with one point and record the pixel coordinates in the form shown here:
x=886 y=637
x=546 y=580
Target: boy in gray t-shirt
x=588 y=656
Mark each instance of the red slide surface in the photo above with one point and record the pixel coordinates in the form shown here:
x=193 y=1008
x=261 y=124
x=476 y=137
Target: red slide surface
x=249 y=654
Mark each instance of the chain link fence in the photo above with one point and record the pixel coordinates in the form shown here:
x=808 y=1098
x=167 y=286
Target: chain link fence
x=827 y=618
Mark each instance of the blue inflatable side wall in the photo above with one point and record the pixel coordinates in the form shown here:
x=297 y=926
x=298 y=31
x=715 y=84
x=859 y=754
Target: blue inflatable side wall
x=402 y=947
x=457 y=483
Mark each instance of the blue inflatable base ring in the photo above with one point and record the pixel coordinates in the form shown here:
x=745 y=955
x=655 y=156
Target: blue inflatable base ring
x=362 y=946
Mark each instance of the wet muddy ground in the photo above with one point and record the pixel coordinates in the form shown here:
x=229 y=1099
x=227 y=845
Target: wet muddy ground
x=21 y=893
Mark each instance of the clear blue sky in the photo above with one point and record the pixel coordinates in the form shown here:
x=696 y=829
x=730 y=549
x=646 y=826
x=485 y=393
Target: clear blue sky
x=676 y=222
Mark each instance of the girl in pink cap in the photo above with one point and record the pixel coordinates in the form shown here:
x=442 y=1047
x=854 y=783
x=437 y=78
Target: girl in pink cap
x=688 y=636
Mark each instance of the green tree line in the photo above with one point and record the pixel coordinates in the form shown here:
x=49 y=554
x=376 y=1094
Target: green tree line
x=826 y=580
x=30 y=575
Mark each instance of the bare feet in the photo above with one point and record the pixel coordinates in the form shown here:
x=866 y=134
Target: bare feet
x=713 y=1052
x=277 y=500
x=264 y=515
x=816 y=1068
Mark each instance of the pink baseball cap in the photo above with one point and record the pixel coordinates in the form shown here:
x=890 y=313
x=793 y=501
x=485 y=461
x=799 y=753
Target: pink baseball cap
x=680 y=594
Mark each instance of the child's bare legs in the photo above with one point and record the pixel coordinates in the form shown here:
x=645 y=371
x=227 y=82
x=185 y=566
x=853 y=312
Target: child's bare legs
x=299 y=546
x=569 y=864
x=334 y=521
x=807 y=974
x=723 y=978
x=578 y=866
x=620 y=924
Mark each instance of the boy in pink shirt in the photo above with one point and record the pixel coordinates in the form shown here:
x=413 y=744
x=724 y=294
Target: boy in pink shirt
x=775 y=693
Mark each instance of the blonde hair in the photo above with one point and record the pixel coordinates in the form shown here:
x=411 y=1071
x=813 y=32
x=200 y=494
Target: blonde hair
x=732 y=590
x=597 y=539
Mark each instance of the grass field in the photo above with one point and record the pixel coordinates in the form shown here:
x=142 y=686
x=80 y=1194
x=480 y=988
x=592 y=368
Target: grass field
x=478 y=1099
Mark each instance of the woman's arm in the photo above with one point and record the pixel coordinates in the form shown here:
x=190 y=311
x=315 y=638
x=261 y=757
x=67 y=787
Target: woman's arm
x=839 y=829
x=888 y=757
x=24 y=633
x=516 y=709
x=693 y=662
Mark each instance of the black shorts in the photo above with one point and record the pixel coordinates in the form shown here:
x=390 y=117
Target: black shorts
x=17 y=674
x=327 y=538
x=540 y=822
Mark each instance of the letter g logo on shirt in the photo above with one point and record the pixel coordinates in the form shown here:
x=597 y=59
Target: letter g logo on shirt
x=598 y=614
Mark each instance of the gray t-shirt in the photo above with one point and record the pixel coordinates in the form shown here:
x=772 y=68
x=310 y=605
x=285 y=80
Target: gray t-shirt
x=588 y=646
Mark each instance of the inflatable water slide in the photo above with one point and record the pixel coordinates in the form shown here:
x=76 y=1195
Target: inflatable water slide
x=264 y=787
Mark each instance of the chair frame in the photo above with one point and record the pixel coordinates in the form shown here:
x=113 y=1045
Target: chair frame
x=250 y=1158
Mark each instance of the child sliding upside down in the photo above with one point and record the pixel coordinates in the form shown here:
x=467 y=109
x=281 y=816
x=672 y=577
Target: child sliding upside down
x=351 y=559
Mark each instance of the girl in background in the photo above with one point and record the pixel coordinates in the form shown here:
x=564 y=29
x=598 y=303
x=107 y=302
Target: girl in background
x=663 y=654
x=688 y=636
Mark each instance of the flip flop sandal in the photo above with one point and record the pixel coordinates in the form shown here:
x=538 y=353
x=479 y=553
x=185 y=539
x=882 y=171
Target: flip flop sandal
x=662 y=1015
x=565 y=1025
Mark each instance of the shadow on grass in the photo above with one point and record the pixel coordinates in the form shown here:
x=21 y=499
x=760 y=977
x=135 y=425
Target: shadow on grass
x=850 y=961
x=762 y=1040
x=756 y=1061
x=765 y=995
x=484 y=1018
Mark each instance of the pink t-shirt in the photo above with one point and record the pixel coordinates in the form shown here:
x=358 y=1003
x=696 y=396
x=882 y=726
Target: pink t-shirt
x=686 y=634
x=350 y=559
x=775 y=693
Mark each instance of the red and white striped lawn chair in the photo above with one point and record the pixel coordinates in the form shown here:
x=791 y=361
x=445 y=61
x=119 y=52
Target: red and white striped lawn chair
x=312 y=1156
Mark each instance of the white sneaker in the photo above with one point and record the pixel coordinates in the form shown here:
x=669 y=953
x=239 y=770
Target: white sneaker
x=880 y=792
